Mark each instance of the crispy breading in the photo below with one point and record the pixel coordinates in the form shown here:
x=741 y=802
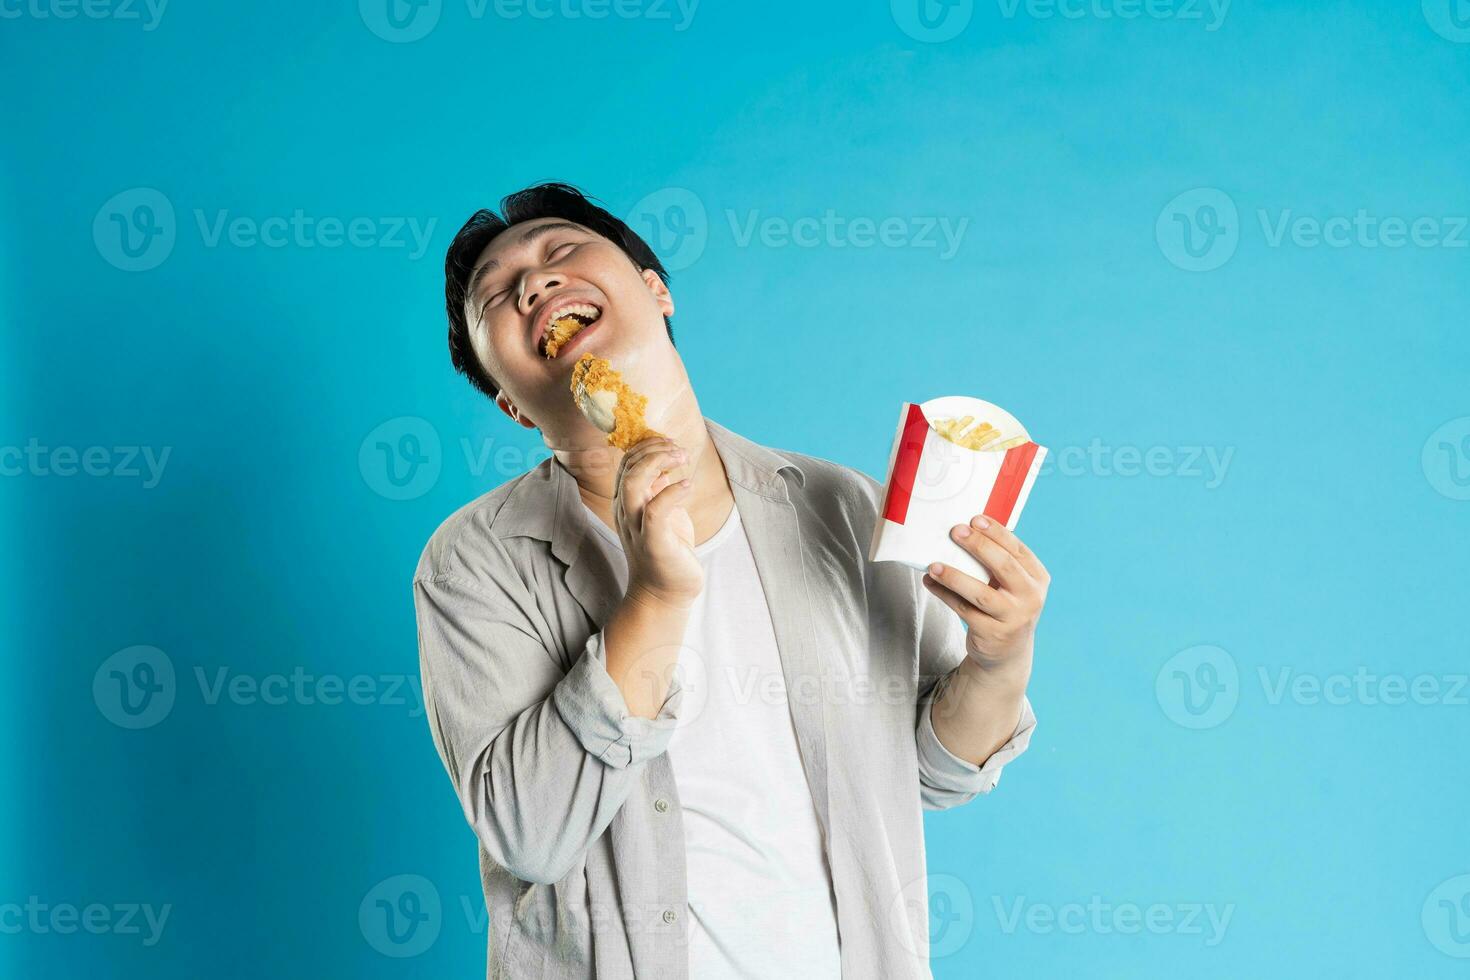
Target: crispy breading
x=595 y=374
x=560 y=332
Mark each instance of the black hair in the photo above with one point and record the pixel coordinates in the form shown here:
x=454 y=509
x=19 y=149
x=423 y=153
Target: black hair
x=546 y=200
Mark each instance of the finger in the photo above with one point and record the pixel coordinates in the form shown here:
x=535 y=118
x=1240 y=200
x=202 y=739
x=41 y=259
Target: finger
x=1008 y=540
x=649 y=474
x=974 y=617
x=1004 y=567
x=641 y=450
x=969 y=588
x=641 y=453
x=667 y=468
x=668 y=500
x=642 y=474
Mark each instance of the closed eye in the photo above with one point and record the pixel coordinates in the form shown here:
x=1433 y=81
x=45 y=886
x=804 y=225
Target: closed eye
x=558 y=252
x=500 y=294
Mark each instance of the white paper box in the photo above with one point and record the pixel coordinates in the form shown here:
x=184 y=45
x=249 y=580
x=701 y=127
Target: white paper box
x=933 y=484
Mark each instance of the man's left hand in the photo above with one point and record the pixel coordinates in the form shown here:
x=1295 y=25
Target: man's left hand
x=1001 y=615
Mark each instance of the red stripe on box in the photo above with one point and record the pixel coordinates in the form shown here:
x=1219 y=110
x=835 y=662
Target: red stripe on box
x=906 y=465
x=1013 y=471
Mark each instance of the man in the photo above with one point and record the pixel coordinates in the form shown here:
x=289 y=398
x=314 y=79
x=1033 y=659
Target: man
x=692 y=726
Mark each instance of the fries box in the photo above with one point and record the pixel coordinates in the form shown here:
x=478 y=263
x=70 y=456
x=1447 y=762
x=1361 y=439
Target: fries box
x=934 y=483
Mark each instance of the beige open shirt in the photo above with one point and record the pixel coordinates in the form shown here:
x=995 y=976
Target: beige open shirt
x=575 y=802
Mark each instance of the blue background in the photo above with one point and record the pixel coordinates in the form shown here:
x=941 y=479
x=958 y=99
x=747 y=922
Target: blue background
x=1332 y=542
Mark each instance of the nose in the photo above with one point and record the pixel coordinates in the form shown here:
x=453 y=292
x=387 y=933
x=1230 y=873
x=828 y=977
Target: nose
x=535 y=286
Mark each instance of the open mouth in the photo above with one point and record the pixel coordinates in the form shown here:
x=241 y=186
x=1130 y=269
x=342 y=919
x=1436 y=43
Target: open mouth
x=565 y=323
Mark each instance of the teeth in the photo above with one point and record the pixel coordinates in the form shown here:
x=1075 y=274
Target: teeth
x=577 y=309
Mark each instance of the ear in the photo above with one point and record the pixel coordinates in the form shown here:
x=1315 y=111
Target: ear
x=660 y=290
x=509 y=408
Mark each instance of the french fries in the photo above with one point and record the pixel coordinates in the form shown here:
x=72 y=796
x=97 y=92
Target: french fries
x=983 y=436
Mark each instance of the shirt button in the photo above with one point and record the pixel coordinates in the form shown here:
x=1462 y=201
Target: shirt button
x=662 y=806
x=669 y=916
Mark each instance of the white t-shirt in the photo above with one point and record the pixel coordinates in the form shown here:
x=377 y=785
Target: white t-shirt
x=760 y=890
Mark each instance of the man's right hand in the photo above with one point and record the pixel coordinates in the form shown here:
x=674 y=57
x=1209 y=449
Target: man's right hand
x=654 y=526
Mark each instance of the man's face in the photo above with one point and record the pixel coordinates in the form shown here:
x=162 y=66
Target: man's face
x=530 y=272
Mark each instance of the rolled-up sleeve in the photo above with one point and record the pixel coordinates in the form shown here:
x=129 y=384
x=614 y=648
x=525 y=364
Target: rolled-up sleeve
x=541 y=758
x=594 y=708
x=946 y=780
